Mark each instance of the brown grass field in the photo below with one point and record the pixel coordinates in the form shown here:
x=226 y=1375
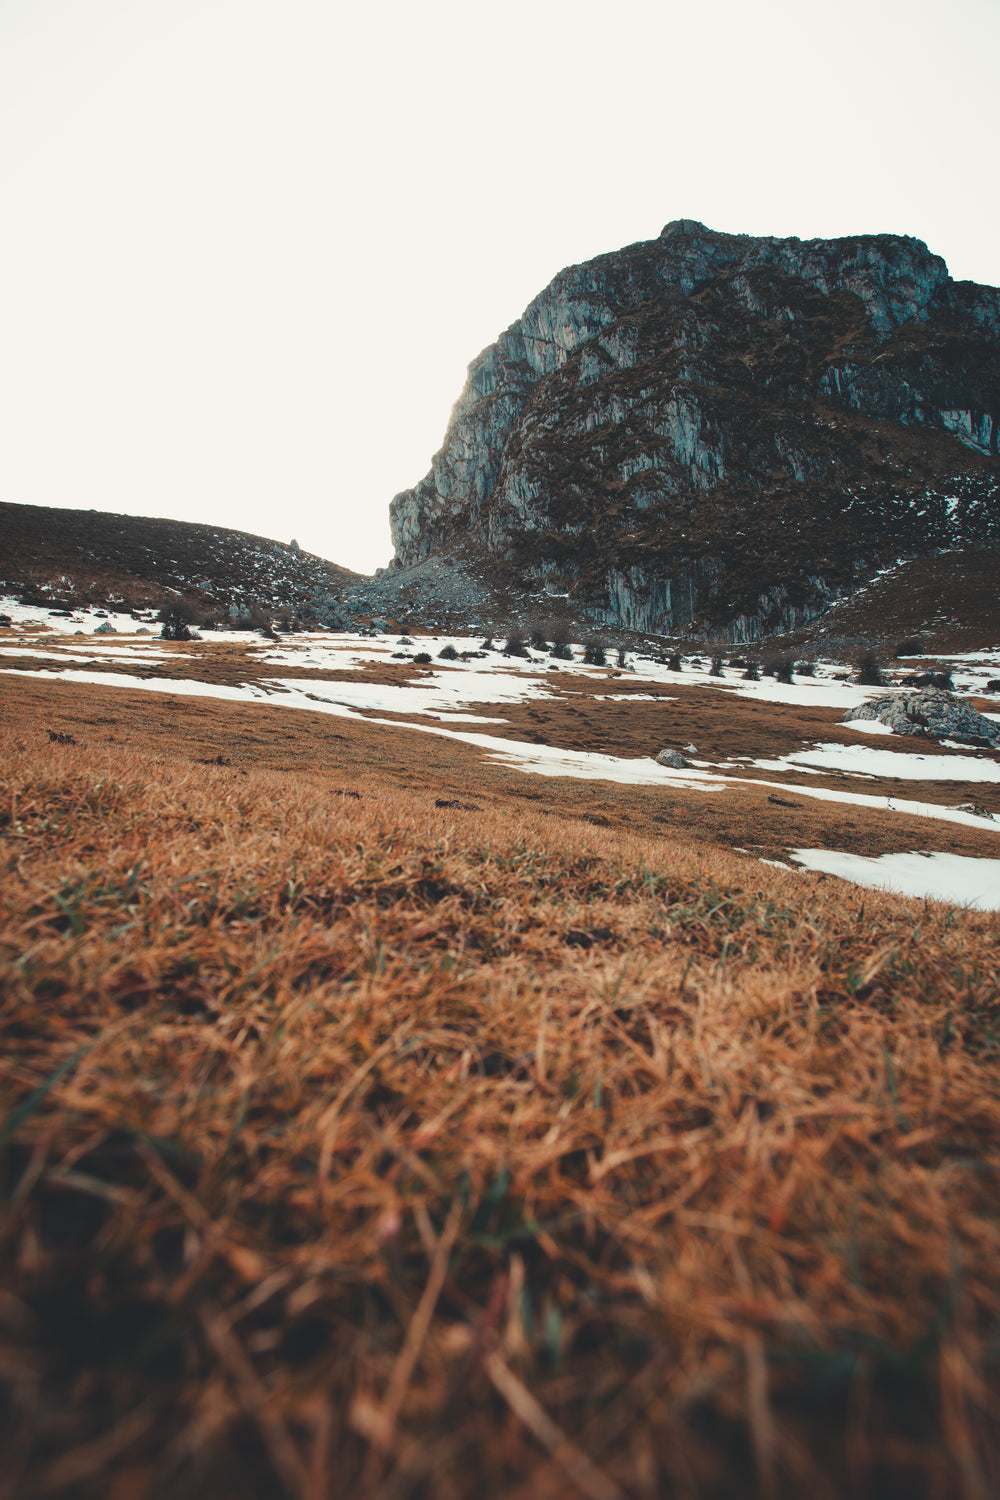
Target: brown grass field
x=540 y=1146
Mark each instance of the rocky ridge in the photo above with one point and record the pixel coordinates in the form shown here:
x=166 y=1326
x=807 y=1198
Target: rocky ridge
x=716 y=431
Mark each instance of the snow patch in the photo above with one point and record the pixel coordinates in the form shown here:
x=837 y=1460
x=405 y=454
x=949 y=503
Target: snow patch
x=958 y=879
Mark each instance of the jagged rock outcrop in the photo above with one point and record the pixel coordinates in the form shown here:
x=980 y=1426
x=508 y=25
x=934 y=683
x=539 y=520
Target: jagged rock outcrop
x=928 y=711
x=716 y=428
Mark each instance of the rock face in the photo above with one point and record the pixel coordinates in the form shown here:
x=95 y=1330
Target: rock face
x=723 y=430
x=929 y=711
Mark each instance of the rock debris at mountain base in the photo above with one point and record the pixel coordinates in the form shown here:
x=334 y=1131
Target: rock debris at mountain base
x=721 y=429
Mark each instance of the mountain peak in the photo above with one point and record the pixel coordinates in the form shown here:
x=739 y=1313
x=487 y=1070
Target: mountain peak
x=722 y=430
x=684 y=226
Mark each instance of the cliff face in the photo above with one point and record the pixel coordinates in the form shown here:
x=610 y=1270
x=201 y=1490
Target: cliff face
x=723 y=429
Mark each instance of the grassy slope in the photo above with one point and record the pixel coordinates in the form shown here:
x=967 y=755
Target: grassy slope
x=358 y=1146
x=92 y=557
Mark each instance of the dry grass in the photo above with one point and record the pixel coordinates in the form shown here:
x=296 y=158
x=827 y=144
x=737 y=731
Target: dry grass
x=354 y=1146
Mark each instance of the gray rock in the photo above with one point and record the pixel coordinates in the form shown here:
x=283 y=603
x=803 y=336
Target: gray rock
x=672 y=758
x=603 y=401
x=928 y=711
x=106 y=628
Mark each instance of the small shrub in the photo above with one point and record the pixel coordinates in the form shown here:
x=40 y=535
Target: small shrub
x=488 y=644
x=715 y=670
x=806 y=669
x=286 y=620
x=752 y=673
x=675 y=662
x=780 y=668
x=538 y=638
x=912 y=646
x=515 y=645
x=177 y=617
x=621 y=658
x=448 y=653
x=594 y=653
x=559 y=635
x=423 y=657
x=869 y=670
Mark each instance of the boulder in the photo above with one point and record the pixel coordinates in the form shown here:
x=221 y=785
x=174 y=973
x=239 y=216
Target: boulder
x=672 y=758
x=106 y=628
x=928 y=711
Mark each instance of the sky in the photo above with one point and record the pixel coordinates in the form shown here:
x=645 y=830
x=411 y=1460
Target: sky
x=248 y=247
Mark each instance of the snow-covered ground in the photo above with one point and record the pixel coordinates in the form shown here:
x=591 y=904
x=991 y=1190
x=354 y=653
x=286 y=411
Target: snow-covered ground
x=452 y=687
x=27 y=617
x=544 y=760
x=958 y=879
x=867 y=760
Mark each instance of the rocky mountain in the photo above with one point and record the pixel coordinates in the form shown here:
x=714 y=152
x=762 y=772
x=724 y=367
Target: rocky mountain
x=85 y=557
x=716 y=431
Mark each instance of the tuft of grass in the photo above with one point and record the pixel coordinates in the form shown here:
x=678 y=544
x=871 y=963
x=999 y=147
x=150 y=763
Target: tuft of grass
x=355 y=1146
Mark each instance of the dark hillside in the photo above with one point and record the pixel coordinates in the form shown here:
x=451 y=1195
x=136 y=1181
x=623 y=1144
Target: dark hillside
x=95 y=557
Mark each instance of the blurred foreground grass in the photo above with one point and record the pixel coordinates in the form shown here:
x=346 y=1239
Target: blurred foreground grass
x=354 y=1146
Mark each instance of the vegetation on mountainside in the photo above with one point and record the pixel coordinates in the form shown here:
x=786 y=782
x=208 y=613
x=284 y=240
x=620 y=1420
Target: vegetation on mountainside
x=81 y=557
x=354 y=1145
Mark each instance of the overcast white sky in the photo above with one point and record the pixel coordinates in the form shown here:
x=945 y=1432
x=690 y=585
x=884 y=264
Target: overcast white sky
x=248 y=247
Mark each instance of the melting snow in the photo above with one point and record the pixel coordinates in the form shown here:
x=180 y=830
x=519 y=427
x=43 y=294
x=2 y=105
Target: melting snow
x=866 y=760
x=959 y=879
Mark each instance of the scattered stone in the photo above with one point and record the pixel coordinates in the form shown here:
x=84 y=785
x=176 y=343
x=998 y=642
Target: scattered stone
x=974 y=807
x=672 y=758
x=465 y=806
x=60 y=737
x=784 y=802
x=106 y=628
x=928 y=711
